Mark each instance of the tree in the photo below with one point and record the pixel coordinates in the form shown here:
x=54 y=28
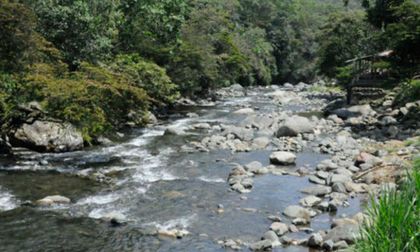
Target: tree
x=343 y=37
x=152 y=27
x=18 y=38
x=381 y=12
x=82 y=30
x=403 y=35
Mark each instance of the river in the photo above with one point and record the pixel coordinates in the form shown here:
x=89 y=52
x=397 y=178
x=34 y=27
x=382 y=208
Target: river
x=151 y=182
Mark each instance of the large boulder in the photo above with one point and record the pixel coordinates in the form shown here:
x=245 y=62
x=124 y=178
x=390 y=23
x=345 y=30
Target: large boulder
x=354 y=111
x=47 y=136
x=52 y=200
x=282 y=158
x=348 y=233
x=295 y=211
x=240 y=133
x=317 y=190
x=295 y=125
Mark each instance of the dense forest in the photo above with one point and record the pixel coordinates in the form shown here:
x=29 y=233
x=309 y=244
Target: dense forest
x=102 y=63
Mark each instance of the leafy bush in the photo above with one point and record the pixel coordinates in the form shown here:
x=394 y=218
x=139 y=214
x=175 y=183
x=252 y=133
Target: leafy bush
x=395 y=219
x=94 y=99
x=345 y=75
x=148 y=76
x=9 y=98
x=409 y=91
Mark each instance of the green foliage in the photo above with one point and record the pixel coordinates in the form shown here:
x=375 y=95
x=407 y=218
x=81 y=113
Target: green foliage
x=147 y=76
x=81 y=30
x=293 y=34
x=409 y=92
x=381 y=12
x=205 y=47
x=343 y=37
x=9 y=99
x=258 y=50
x=217 y=52
x=17 y=36
x=345 y=75
x=403 y=36
x=94 y=99
x=395 y=219
x=152 y=27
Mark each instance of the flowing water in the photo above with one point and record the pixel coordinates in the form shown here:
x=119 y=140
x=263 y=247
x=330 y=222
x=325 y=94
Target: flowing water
x=154 y=184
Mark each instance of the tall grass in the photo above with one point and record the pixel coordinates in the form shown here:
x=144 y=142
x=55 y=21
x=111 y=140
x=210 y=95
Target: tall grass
x=394 y=219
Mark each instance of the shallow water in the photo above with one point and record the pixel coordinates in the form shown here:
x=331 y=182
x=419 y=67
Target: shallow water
x=153 y=184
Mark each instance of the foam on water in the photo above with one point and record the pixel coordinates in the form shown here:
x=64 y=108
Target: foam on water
x=99 y=199
x=211 y=180
x=7 y=201
x=182 y=222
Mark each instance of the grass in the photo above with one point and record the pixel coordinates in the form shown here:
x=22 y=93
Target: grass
x=394 y=219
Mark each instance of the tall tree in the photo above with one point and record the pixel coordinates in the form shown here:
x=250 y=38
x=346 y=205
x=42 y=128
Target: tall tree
x=82 y=30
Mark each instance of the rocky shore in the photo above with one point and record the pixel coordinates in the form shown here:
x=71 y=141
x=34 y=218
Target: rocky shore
x=369 y=147
x=366 y=147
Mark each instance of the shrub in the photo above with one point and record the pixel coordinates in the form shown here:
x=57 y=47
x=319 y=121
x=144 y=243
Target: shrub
x=94 y=98
x=148 y=76
x=395 y=219
x=410 y=91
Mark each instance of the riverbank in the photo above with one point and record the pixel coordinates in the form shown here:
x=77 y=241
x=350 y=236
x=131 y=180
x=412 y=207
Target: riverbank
x=208 y=174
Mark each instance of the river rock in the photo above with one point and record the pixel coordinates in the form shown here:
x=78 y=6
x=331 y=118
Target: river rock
x=272 y=236
x=295 y=125
x=46 y=136
x=115 y=218
x=327 y=165
x=322 y=174
x=151 y=118
x=202 y=126
x=260 y=143
x=367 y=158
x=343 y=222
x=253 y=166
x=317 y=190
x=282 y=96
x=262 y=245
x=388 y=120
x=354 y=111
x=174 y=130
x=310 y=201
x=314 y=179
x=279 y=228
x=339 y=188
x=328 y=245
x=295 y=211
x=282 y=158
x=338 y=178
x=356 y=187
x=340 y=245
x=315 y=240
x=173 y=233
x=244 y=111
x=300 y=221
x=349 y=233
x=240 y=133
x=51 y=200
x=240 y=188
